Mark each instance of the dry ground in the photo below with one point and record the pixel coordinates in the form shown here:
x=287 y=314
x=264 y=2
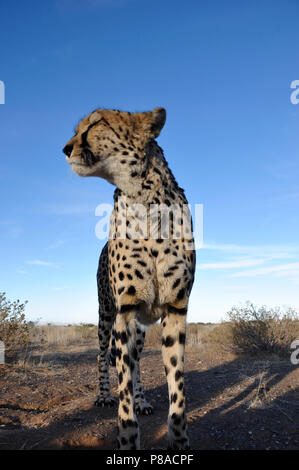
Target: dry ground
x=47 y=395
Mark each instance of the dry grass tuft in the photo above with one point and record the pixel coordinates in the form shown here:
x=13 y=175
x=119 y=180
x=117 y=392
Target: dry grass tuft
x=198 y=335
x=57 y=335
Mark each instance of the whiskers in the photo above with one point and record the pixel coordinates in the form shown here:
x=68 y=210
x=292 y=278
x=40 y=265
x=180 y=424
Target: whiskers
x=88 y=157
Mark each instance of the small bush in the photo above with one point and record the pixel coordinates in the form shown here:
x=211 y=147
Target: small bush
x=263 y=330
x=14 y=331
x=87 y=330
x=219 y=338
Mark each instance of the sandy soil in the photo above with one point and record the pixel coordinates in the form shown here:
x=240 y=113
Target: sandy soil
x=232 y=403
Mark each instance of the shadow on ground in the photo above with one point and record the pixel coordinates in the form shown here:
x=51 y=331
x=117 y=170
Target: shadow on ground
x=234 y=405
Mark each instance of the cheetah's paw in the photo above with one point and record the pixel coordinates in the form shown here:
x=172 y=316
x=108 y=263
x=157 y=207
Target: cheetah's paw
x=144 y=408
x=105 y=402
x=179 y=444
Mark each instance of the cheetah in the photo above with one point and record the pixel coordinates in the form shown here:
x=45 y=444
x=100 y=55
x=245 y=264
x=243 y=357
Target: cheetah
x=146 y=270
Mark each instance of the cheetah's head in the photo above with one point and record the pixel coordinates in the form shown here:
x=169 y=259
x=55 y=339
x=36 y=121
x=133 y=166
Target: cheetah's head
x=105 y=139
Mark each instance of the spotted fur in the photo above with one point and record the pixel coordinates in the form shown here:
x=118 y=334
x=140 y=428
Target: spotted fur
x=107 y=312
x=144 y=275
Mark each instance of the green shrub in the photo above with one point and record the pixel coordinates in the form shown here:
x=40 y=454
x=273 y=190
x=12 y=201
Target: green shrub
x=14 y=331
x=263 y=330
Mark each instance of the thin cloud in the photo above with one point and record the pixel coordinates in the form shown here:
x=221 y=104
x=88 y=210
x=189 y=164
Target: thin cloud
x=39 y=262
x=269 y=250
x=11 y=228
x=21 y=271
x=253 y=256
x=233 y=264
x=16 y=232
x=289 y=273
x=282 y=269
x=287 y=197
x=56 y=244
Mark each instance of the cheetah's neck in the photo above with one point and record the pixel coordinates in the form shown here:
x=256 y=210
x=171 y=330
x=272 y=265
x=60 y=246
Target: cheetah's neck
x=154 y=183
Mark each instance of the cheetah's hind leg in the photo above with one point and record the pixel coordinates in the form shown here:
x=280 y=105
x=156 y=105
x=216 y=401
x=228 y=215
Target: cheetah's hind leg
x=111 y=359
x=106 y=320
x=142 y=406
x=112 y=354
x=104 y=398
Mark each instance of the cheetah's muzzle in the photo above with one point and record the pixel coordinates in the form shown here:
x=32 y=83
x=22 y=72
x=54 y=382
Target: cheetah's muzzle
x=88 y=157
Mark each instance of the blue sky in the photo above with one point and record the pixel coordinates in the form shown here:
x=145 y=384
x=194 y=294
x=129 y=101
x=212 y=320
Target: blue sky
x=223 y=72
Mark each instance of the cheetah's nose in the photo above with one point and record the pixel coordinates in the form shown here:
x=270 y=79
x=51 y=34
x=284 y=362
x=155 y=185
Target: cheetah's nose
x=67 y=150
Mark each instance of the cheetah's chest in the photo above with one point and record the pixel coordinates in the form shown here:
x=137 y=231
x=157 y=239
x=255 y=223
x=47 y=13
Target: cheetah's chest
x=148 y=272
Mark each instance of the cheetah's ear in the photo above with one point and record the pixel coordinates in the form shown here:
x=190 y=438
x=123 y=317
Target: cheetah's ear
x=151 y=122
x=158 y=121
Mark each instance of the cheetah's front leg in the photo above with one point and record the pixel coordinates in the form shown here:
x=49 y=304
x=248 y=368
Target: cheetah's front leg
x=126 y=355
x=173 y=345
